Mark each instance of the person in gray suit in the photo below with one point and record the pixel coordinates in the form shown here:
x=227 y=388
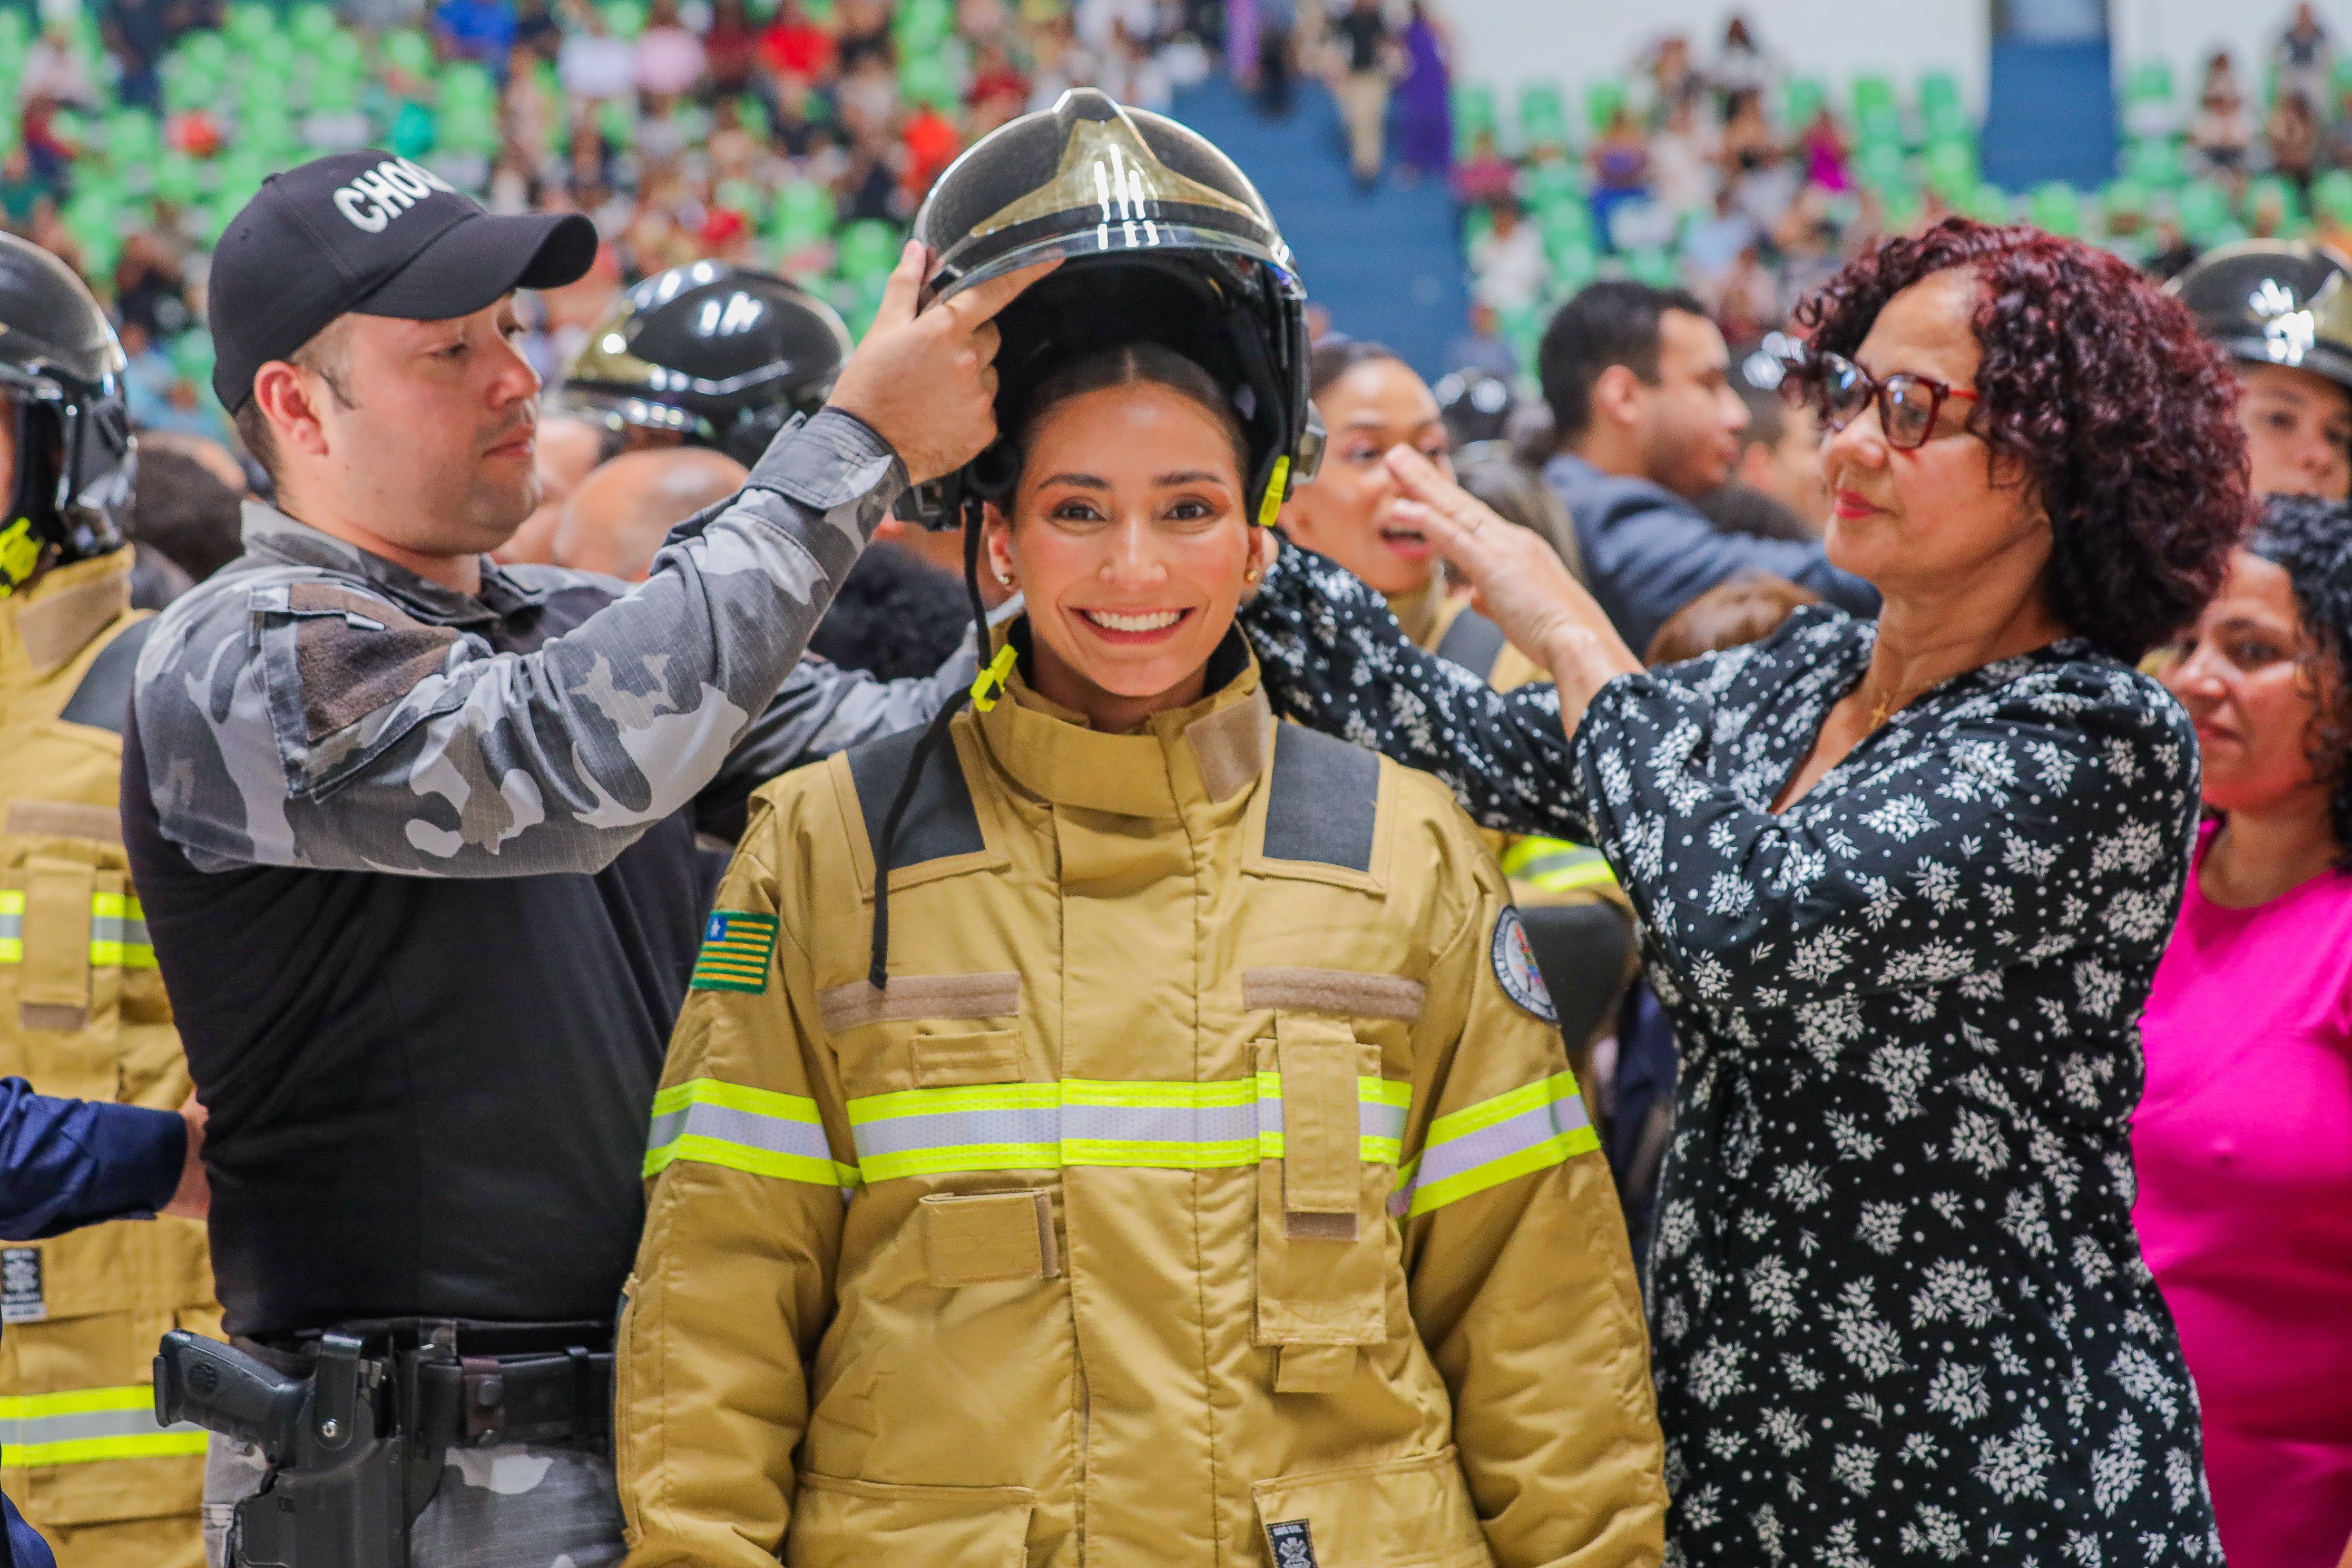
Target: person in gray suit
x=1638 y=380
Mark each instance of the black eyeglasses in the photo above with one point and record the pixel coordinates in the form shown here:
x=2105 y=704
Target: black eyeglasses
x=1907 y=404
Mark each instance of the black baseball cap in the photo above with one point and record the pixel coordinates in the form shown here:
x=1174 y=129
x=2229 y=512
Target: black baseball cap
x=376 y=234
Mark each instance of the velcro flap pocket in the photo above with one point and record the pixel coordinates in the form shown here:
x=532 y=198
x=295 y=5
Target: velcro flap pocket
x=53 y=990
x=1313 y=1369
x=1321 y=1145
x=973 y=1238
x=946 y=1061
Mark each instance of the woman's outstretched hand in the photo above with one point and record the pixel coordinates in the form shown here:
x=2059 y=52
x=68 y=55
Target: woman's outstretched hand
x=925 y=382
x=1521 y=584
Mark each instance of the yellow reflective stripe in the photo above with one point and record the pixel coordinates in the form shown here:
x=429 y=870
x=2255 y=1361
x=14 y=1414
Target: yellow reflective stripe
x=118 y=930
x=1556 y=864
x=1494 y=1141
x=1175 y=1125
x=741 y=1128
x=84 y=1426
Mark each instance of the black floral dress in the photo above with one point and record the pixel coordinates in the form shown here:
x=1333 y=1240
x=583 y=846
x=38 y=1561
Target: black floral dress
x=1899 y=1312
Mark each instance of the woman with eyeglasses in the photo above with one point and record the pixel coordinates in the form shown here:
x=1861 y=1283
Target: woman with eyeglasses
x=2244 y=1143
x=1902 y=887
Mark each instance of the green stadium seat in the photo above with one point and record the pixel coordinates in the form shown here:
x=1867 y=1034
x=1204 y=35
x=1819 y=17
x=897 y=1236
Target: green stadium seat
x=133 y=140
x=1881 y=167
x=1655 y=266
x=343 y=51
x=1950 y=168
x=1988 y=203
x=2155 y=161
x=867 y=250
x=411 y=132
x=1543 y=115
x=2331 y=195
x=2123 y=197
x=179 y=179
x=626 y=18
x=1474 y=114
x=250 y=24
x=1602 y=99
x=313 y=24
x=1804 y=100
x=1876 y=116
x=467 y=84
x=1477 y=223
x=2056 y=207
x=927 y=78
x=2203 y=209
x=207 y=51
x=924 y=25
x=1899 y=210
x=1555 y=180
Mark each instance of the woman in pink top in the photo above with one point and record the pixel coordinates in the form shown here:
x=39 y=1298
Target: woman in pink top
x=2243 y=1140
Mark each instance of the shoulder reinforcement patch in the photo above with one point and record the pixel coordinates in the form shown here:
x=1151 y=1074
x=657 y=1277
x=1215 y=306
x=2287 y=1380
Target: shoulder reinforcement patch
x=940 y=820
x=356 y=653
x=1324 y=800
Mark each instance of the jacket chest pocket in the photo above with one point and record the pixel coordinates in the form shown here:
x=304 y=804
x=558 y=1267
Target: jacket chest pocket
x=73 y=941
x=1325 y=1252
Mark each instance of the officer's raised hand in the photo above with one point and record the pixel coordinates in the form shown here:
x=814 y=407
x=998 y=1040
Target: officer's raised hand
x=927 y=384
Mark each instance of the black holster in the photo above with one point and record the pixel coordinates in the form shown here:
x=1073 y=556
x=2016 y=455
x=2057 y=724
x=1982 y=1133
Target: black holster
x=355 y=1420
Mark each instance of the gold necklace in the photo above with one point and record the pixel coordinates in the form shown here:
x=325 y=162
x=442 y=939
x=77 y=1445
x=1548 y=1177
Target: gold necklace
x=1886 y=707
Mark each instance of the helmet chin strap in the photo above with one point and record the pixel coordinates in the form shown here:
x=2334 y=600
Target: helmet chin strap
x=963 y=500
x=21 y=548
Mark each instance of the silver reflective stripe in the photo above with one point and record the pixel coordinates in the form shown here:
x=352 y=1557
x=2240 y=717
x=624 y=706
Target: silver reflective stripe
x=12 y=928
x=744 y=1129
x=1503 y=1138
x=106 y=928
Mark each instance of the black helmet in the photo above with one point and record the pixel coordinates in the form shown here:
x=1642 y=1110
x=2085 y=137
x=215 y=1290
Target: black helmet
x=61 y=366
x=1161 y=239
x=2272 y=301
x=1476 y=405
x=722 y=354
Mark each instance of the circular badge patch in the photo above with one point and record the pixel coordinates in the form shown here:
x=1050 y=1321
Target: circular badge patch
x=1515 y=967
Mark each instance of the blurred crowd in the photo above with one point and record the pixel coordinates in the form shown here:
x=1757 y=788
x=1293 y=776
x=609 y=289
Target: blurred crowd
x=1729 y=173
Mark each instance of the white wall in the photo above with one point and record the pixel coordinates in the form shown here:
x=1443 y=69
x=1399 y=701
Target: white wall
x=1507 y=42
x=2186 y=31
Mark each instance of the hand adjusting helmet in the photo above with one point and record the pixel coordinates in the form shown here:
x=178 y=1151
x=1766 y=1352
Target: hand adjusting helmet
x=62 y=368
x=2269 y=302
x=721 y=355
x=1161 y=239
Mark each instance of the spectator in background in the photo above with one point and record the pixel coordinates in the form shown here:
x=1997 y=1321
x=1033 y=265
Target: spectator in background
x=895 y=615
x=2240 y=1140
x=184 y=510
x=1425 y=100
x=2294 y=137
x=1780 y=453
x=1740 y=66
x=569 y=450
x=1367 y=66
x=792 y=46
x=1507 y=266
x=592 y=65
x=668 y=55
x=138 y=33
x=1620 y=171
x=56 y=72
x=1823 y=149
x=1682 y=159
x=1486 y=175
x=2303 y=57
x=615 y=520
x=480 y=30
x=1483 y=348
x=1277 y=23
x=2222 y=133
x=1638 y=381
x=731 y=51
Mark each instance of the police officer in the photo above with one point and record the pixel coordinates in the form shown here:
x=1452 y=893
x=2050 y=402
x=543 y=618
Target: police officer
x=1217 y=1190
x=78 y=1162
x=82 y=1011
x=2283 y=309
x=415 y=838
x=706 y=354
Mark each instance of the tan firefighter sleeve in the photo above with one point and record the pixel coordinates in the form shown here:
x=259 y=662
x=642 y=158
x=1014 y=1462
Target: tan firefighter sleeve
x=748 y=1161
x=1521 y=1282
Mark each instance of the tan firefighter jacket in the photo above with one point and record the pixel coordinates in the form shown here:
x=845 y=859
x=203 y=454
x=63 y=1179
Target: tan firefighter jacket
x=1205 y=1187
x=82 y=1013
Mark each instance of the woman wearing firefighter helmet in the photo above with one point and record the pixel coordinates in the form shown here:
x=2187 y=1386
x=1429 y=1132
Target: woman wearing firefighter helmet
x=1137 y=1193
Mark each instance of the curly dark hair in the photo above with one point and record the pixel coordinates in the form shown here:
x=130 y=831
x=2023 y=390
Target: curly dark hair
x=2313 y=540
x=2123 y=416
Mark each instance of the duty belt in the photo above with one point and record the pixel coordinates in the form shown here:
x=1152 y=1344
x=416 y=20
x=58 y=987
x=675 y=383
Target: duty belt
x=465 y=1384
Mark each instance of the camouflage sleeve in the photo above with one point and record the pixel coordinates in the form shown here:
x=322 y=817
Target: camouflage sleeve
x=822 y=710
x=300 y=718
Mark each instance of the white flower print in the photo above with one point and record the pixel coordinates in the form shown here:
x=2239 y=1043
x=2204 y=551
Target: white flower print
x=1853 y=1142
x=1936 y=1531
x=2098 y=987
x=2139 y=914
x=2144 y=1383
x=1729 y=894
x=1677 y=1224
x=1825 y=1028
x=1905 y=817
x=1959 y=1390
x=2026 y=857
x=1900 y=1069
x=2115 y=1469
x=1768 y=1533
x=1976 y=1138
x=1801 y=1185
x=1882 y=898
x=1784 y=1429
x=1932 y=963
x=2052 y=763
x=2182 y=1479
x=1881 y=1228
x=2023 y=1216
x=1838 y=1549
x=2014 y=1466
x=1772 y=1290
x=1819 y=957
x=2091 y=1260
x=1853 y=1465
x=1860 y=1334
x=1954 y=1288
x=1715 y=1373
x=1939 y=883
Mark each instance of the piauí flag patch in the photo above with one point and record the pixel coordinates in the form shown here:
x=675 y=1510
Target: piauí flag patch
x=736 y=947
